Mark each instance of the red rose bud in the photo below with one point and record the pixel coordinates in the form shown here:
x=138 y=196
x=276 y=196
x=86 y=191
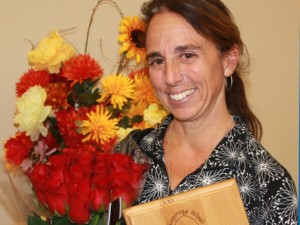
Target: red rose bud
x=100 y=198
x=79 y=210
x=57 y=201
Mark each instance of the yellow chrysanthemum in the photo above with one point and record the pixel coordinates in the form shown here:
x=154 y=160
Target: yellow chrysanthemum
x=132 y=38
x=50 y=53
x=99 y=127
x=144 y=92
x=31 y=112
x=154 y=114
x=116 y=89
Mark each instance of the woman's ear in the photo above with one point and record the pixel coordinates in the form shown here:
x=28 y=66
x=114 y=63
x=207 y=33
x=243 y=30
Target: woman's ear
x=230 y=60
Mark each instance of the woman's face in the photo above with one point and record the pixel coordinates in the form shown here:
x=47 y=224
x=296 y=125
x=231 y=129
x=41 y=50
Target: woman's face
x=186 y=70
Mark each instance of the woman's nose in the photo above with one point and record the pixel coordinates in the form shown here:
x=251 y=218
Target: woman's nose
x=172 y=73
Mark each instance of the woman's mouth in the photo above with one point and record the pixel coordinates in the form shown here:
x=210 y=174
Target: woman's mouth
x=182 y=95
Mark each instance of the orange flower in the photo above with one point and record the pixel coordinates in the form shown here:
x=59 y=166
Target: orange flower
x=66 y=122
x=80 y=68
x=57 y=94
x=116 y=89
x=99 y=126
x=144 y=92
x=30 y=79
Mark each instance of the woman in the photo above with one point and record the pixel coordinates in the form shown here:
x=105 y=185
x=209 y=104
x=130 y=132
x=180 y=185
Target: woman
x=193 y=51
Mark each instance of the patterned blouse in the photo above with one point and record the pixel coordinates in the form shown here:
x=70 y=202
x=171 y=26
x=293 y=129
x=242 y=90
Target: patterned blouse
x=266 y=187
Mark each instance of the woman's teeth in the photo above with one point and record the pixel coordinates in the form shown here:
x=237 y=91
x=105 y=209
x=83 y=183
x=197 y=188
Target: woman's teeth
x=182 y=95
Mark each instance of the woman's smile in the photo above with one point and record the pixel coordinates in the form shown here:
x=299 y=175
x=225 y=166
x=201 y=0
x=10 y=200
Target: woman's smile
x=182 y=95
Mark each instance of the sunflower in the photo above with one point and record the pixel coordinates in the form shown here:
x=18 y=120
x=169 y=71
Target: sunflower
x=116 y=89
x=30 y=79
x=80 y=68
x=99 y=126
x=132 y=38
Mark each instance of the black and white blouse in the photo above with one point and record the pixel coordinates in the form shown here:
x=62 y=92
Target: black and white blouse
x=266 y=187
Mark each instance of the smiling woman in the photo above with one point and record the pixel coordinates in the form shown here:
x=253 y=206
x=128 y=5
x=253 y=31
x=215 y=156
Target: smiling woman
x=194 y=52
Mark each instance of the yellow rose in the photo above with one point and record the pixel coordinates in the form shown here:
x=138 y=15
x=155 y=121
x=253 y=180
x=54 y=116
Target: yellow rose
x=122 y=132
x=154 y=115
x=50 y=53
x=31 y=112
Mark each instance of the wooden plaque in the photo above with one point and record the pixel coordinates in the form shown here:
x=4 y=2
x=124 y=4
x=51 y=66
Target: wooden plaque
x=216 y=204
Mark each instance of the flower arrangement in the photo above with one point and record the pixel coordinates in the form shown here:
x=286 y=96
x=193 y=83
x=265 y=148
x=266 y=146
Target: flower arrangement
x=70 y=116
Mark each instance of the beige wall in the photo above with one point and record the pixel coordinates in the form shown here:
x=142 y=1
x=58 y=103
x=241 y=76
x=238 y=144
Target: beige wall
x=269 y=29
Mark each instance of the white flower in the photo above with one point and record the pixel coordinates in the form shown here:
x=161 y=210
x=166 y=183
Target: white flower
x=31 y=112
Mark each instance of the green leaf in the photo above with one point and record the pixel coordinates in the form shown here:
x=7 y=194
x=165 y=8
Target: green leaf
x=57 y=220
x=88 y=99
x=84 y=94
x=124 y=122
x=35 y=220
x=53 y=128
x=137 y=119
x=94 y=220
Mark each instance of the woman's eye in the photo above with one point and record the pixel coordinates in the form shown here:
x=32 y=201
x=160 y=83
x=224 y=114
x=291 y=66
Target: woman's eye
x=156 y=62
x=187 y=57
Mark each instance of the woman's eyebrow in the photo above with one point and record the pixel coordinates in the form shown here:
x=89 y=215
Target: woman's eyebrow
x=187 y=47
x=153 y=54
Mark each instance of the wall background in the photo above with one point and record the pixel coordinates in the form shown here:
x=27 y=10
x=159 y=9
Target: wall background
x=269 y=29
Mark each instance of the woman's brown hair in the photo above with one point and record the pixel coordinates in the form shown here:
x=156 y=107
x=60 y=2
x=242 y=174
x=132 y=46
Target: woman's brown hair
x=213 y=20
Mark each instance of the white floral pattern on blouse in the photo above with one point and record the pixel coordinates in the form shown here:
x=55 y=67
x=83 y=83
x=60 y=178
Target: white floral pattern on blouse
x=266 y=187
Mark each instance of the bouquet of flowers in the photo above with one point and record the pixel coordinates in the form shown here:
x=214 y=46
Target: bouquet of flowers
x=70 y=116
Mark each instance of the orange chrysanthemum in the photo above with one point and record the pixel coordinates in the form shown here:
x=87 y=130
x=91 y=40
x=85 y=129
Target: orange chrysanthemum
x=144 y=93
x=30 y=79
x=57 y=94
x=80 y=68
x=132 y=38
x=116 y=89
x=66 y=122
x=99 y=126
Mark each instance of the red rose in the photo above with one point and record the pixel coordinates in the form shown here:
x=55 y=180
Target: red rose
x=121 y=187
x=121 y=162
x=128 y=195
x=99 y=181
x=120 y=179
x=100 y=198
x=59 y=161
x=57 y=200
x=80 y=199
x=138 y=171
x=18 y=148
x=79 y=210
x=49 y=186
x=38 y=176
